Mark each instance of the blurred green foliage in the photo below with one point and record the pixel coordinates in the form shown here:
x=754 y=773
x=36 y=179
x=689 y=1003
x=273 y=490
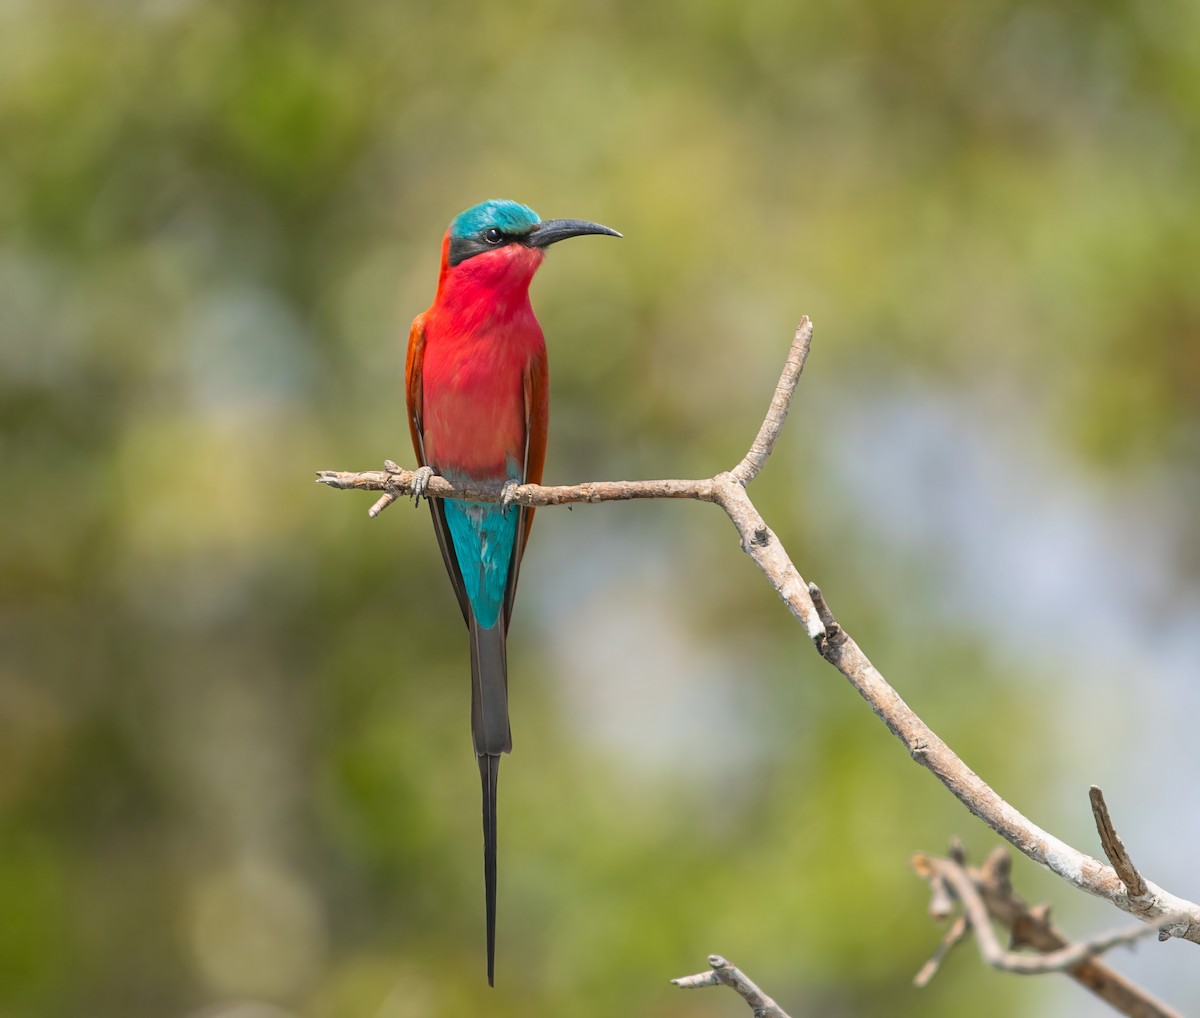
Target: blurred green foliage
x=234 y=761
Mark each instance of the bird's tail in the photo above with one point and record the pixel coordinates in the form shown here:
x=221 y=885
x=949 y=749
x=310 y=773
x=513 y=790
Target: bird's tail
x=489 y=689
x=489 y=772
x=492 y=737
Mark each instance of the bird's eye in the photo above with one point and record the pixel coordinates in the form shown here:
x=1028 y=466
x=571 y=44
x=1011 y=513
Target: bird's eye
x=492 y=235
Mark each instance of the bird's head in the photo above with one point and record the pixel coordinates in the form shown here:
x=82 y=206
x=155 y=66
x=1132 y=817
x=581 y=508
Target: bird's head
x=503 y=241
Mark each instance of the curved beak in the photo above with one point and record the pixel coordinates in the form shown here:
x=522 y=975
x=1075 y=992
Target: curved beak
x=551 y=231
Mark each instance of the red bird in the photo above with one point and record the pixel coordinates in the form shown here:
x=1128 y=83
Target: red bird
x=477 y=390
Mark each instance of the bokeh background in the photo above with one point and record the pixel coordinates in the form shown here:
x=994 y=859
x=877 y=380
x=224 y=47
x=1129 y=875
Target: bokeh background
x=235 y=775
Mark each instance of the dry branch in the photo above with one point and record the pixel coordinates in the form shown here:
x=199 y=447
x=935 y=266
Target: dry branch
x=1139 y=897
x=725 y=974
x=987 y=896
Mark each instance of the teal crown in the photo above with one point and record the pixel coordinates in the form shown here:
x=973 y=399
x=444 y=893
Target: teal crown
x=509 y=217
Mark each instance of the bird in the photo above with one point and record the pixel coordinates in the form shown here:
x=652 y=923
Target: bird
x=477 y=392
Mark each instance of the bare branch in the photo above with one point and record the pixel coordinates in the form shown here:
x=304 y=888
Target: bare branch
x=1113 y=847
x=758 y=540
x=725 y=974
x=986 y=895
x=835 y=645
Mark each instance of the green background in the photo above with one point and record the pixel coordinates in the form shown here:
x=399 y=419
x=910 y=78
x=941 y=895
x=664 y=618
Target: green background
x=235 y=775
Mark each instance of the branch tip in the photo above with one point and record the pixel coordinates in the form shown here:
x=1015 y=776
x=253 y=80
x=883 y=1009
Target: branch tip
x=781 y=401
x=833 y=634
x=1114 y=848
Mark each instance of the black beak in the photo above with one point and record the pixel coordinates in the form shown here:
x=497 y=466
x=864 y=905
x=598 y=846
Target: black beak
x=551 y=231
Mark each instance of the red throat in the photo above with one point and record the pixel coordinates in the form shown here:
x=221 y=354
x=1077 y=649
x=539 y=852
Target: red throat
x=494 y=283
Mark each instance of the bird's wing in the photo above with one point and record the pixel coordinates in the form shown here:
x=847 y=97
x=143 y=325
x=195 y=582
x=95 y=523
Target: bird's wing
x=414 y=395
x=536 y=391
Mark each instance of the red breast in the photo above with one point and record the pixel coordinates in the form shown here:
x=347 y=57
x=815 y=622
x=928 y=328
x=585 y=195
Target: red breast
x=480 y=335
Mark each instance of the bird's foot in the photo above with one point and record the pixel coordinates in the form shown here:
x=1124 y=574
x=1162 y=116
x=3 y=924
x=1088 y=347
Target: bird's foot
x=420 y=483
x=508 y=493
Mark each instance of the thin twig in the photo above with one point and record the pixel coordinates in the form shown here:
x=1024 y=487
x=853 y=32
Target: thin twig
x=954 y=936
x=835 y=646
x=1023 y=964
x=1114 y=848
x=725 y=974
x=398 y=483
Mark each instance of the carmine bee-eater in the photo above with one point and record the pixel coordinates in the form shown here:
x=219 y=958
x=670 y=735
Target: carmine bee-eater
x=477 y=392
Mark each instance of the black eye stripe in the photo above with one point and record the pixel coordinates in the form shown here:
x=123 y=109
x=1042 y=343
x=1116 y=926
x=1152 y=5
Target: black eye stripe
x=491 y=238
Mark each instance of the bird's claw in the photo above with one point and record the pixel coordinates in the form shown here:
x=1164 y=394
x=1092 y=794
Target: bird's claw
x=420 y=483
x=508 y=493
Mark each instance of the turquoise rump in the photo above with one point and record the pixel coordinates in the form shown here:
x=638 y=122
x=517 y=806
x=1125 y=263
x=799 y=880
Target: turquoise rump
x=484 y=536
